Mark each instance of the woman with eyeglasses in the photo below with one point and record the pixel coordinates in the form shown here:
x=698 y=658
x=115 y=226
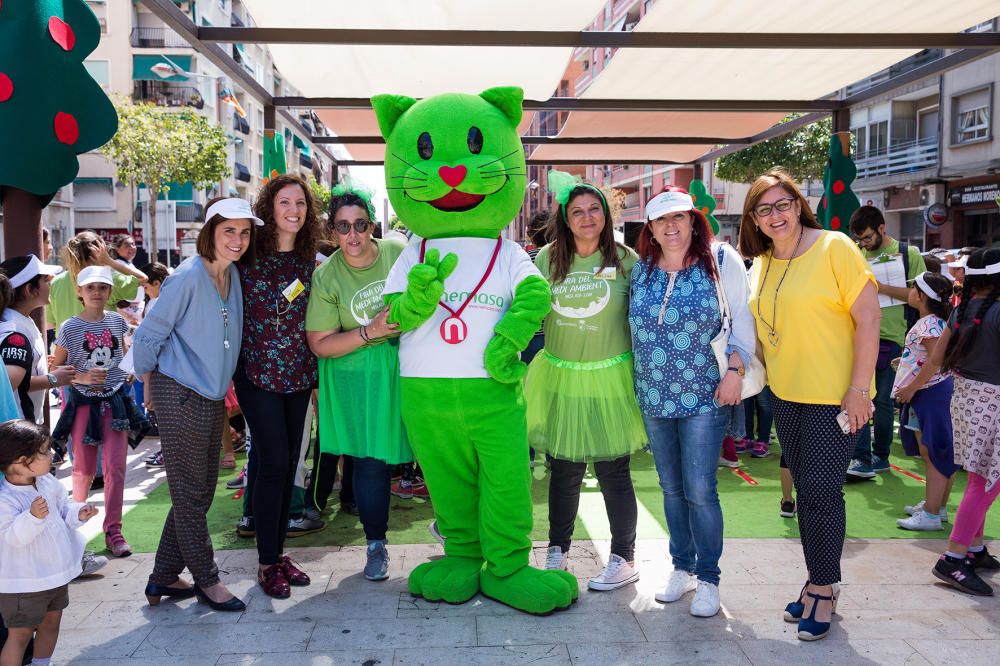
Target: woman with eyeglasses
x=277 y=372
x=816 y=308
x=348 y=330
x=186 y=350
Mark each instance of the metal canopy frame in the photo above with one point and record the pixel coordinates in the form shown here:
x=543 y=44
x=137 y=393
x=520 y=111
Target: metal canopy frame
x=205 y=41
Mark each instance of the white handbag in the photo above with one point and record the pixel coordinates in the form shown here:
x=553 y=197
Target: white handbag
x=755 y=377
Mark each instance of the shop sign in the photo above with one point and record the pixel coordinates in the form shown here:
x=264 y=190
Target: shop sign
x=972 y=195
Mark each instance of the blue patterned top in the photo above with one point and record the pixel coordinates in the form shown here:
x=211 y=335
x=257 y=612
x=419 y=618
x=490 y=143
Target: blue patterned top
x=675 y=369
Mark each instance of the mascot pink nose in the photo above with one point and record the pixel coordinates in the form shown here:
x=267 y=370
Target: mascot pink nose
x=453 y=175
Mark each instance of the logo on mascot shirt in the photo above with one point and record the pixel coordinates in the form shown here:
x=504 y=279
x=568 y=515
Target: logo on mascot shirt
x=454 y=330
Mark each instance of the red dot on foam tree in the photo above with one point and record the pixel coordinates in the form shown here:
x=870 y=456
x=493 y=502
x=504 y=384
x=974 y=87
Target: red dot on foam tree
x=62 y=34
x=838 y=187
x=6 y=87
x=67 y=130
x=835 y=223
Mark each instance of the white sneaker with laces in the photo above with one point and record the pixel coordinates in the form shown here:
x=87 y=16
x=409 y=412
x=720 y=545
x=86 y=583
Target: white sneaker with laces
x=617 y=573
x=921 y=521
x=910 y=510
x=706 y=600
x=555 y=559
x=681 y=582
x=91 y=564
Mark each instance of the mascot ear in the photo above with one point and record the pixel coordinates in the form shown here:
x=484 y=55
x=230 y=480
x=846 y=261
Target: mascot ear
x=388 y=109
x=508 y=99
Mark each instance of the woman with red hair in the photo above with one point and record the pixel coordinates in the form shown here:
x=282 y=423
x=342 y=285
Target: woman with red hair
x=674 y=314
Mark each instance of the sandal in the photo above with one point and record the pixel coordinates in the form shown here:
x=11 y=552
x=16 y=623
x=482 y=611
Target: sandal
x=228 y=461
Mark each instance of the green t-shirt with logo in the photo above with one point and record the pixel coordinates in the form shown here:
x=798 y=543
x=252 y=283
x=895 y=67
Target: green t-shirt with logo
x=893 y=325
x=347 y=298
x=589 y=316
x=63 y=301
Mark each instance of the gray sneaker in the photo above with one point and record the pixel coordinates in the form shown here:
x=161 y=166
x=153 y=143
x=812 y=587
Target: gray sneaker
x=377 y=567
x=91 y=564
x=303 y=525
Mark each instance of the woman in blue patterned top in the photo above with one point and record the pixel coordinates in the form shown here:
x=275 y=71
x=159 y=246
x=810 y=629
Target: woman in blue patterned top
x=674 y=314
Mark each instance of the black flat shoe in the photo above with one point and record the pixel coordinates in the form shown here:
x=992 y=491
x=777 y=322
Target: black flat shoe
x=154 y=592
x=231 y=605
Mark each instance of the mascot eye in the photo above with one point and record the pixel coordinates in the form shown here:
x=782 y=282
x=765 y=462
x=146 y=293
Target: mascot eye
x=475 y=140
x=425 y=147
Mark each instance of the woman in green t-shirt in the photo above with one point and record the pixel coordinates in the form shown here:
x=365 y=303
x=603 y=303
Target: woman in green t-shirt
x=346 y=328
x=581 y=404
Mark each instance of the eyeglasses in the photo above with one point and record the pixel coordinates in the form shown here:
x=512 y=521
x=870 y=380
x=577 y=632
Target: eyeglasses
x=344 y=228
x=781 y=205
x=866 y=238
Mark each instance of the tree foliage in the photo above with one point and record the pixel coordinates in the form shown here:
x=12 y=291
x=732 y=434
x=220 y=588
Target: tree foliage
x=803 y=153
x=155 y=146
x=320 y=193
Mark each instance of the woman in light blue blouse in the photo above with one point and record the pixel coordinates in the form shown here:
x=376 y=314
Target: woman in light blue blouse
x=674 y=314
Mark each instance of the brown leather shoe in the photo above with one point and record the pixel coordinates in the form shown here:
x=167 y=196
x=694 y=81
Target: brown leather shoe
x=272 y=580
x=293 y=574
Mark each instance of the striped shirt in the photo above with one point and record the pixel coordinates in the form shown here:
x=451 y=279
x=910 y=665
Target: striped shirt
x=96 y=345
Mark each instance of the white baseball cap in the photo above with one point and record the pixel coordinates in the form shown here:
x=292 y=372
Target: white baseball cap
x=33 y=268
x=91 y=274
x=668 y=202
x=233 y=208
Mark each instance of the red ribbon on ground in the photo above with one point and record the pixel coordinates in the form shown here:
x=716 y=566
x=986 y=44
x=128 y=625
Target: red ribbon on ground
x=909 y=474
x=746 y=477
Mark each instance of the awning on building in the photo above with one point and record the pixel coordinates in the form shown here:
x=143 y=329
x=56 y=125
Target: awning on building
x=142 y=67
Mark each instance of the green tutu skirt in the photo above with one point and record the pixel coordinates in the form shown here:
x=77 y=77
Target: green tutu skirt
x=359 y=405
x=583 y=411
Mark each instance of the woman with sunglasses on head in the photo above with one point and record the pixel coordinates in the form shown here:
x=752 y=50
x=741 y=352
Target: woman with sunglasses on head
x=581 y=405
x=816 y=308
x=277 y=372
x=359 y=365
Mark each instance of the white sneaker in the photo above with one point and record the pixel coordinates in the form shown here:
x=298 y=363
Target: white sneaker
x=921 y=521
x=681 y=582
x=706 y=600
x=910 y=510
x=91 y=564
x=617 y=573
x=555 y=558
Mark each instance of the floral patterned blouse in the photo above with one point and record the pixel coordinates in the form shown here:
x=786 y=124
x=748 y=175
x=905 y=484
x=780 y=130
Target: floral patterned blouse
x=915 y=353
x=275 y=355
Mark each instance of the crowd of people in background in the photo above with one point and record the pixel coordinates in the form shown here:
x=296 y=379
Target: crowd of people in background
x=278 y=320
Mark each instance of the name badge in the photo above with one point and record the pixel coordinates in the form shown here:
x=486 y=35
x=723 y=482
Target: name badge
x=606 y=273
x=292 y=291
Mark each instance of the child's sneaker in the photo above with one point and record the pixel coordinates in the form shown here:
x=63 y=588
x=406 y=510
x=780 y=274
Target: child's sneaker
x=961 y=576
x=419 y=490
x=91 y=564
x=555 y=559
x=237 y=481
x=787 y=508
x=921 y=521
x=760 y=450
x=983 y=560
x=910 y=510
x=744 y=445
x=155 y=461
x=402 y=489
x=117 y=544
x=245 y=527
x=617 y=573
x=728 y=457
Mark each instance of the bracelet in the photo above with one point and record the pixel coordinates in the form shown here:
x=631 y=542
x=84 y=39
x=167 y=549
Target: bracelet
x=863 y=392
x=364 y=333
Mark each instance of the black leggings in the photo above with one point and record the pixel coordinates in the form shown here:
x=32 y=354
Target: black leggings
x=324 y=476
x=276 y=421
x=817 y=453
x=615 y=480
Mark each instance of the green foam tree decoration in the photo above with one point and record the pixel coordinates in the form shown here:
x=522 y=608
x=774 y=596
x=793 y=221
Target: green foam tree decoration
x=704 y=202
x=51 y=109
x=274 y=154
x=839 y=201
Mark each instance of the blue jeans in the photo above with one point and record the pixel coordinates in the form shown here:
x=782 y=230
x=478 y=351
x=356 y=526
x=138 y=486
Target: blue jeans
x=884 y=413
x=372 y=479
x=686 y=453
x=758 y=410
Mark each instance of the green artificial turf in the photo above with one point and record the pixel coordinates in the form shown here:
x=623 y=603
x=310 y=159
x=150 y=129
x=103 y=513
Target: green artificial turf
x=751 y=511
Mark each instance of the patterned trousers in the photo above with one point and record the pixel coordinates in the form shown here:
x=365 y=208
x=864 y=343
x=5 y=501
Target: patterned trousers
x=191 y=437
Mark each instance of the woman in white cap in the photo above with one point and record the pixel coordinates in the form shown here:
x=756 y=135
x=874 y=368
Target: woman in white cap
x=186 y=349
x=25 y=354
x=675 y=313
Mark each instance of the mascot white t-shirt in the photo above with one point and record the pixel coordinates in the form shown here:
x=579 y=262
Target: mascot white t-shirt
x=451 y=343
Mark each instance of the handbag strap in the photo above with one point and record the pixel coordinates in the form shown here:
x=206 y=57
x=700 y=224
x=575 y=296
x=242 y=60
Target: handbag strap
x=724 y=312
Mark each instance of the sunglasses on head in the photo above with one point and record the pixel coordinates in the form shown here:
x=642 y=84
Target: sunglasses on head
x=344 y=228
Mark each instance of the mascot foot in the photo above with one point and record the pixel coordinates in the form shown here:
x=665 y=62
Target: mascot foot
x=534 y=591
x=451 y=579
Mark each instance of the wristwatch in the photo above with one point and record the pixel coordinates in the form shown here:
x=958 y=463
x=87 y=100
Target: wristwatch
x=52 y=379
x=740 y=371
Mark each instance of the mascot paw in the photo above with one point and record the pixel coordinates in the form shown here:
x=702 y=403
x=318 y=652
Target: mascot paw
x=451 y=579
x=531 y=590
x=503 y=361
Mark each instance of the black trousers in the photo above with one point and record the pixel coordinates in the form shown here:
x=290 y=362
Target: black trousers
x=324 y=475
x=615 y=480
x=276 y=421
x=817 y=453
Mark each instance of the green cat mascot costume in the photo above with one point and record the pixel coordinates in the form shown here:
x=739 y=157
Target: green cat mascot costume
x=455 y=172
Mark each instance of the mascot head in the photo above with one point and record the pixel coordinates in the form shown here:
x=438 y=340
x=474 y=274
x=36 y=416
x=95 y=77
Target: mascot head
x=454 y=164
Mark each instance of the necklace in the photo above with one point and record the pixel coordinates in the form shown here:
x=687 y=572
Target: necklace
x=453 y=329
x=772 y=335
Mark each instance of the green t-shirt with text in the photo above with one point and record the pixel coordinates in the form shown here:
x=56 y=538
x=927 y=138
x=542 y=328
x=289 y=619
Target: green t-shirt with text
x=589 y=316
x=893 y=325
x=346 y=298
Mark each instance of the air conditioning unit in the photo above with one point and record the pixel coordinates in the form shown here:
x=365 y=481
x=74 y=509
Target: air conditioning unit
x=931 y=194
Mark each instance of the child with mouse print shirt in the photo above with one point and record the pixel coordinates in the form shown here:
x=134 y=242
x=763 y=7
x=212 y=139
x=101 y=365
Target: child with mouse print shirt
x=98 y=410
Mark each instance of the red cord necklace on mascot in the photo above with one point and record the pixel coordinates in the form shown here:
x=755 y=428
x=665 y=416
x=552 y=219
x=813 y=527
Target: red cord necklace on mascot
x=453 y=330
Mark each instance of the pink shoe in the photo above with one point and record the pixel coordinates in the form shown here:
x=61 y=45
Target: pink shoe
x=729 y=457
x=117 y=544
x=760 y=450
x=744 y=445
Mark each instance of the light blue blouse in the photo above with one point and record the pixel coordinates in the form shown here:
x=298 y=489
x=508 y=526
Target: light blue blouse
x=192 y=335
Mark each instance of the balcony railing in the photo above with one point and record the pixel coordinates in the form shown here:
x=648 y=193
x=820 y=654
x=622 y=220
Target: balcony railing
x=905 y=157
x=166 y=95
x=156 y=38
